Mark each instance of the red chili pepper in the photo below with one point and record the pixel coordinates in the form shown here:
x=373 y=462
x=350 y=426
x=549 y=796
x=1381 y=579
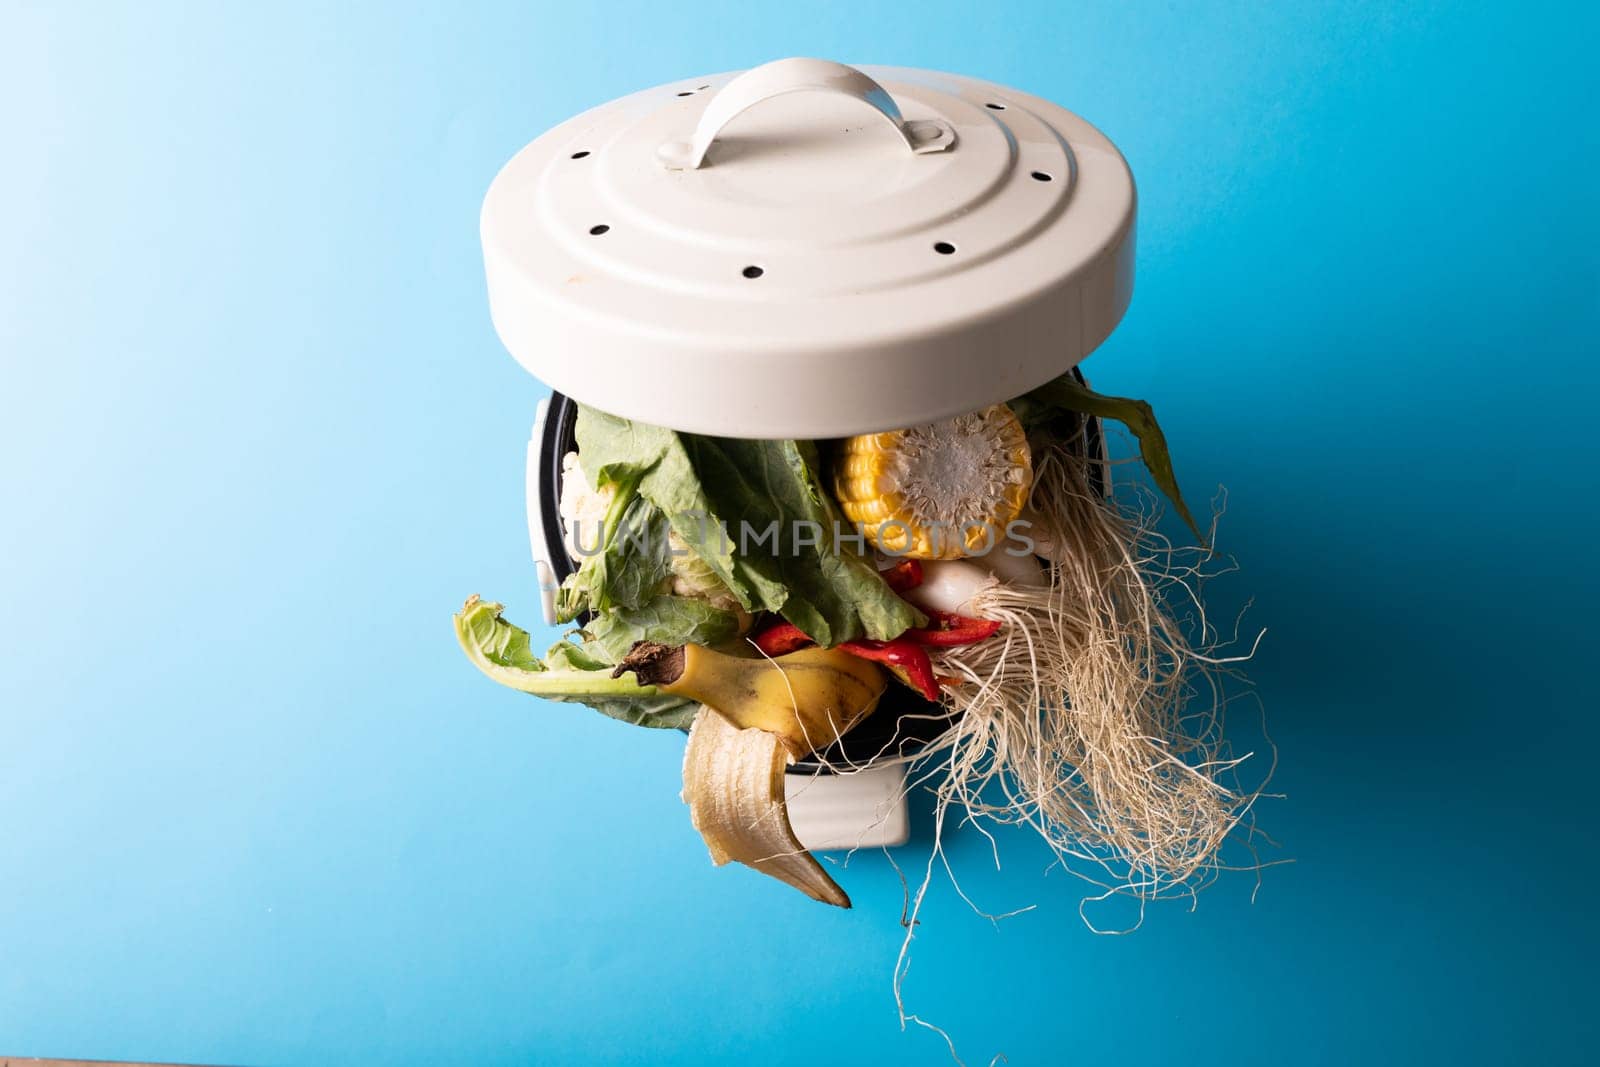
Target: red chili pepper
x=907 y=574
x=950 y=630
x=780 y=638
x=904 y=654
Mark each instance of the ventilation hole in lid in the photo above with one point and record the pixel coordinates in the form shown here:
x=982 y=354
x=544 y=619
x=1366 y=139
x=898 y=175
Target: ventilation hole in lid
x=702 y=87
x=944 y=248
x=752 y=272
x=598 y=230
x=687 y=92
x=1041 y=176
x=580 y=155
x=995 y=107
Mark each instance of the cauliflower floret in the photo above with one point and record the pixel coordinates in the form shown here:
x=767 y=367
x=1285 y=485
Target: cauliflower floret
x=691 y=576
x=582 y=507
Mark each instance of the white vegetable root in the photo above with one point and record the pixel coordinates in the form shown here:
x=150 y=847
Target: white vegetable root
x=1090 y=716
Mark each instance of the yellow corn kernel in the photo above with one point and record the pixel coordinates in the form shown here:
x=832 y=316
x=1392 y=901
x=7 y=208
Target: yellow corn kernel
x=938 y=491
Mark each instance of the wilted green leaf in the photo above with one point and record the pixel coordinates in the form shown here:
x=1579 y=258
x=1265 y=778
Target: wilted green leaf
x=1069 y=394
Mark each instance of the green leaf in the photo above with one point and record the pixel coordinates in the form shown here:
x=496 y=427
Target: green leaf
x=612 y=570
x=635 y=566
x=613 y=448
x=829 y=591
x=1069 y=394
x=567 y=673
x=670 y=620
x=705 y=485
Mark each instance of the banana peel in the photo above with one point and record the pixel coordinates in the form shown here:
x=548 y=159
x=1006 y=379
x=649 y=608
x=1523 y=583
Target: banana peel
x=733 y=784
x=758 y=715
x=807 y=699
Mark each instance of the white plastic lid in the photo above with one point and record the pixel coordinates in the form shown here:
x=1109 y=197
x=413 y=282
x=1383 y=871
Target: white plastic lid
x=809 y=250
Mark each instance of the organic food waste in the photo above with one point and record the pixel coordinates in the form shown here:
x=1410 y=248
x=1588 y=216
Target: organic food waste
x=981 y=561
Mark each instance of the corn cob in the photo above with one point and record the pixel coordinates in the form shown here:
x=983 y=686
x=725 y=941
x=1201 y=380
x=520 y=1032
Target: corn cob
x=938 y=491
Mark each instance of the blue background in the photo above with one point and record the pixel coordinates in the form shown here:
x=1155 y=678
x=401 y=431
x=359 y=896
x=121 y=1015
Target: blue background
x=258 y=440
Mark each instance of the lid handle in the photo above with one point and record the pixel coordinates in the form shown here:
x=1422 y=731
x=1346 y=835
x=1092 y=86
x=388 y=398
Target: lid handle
x=794 y=76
